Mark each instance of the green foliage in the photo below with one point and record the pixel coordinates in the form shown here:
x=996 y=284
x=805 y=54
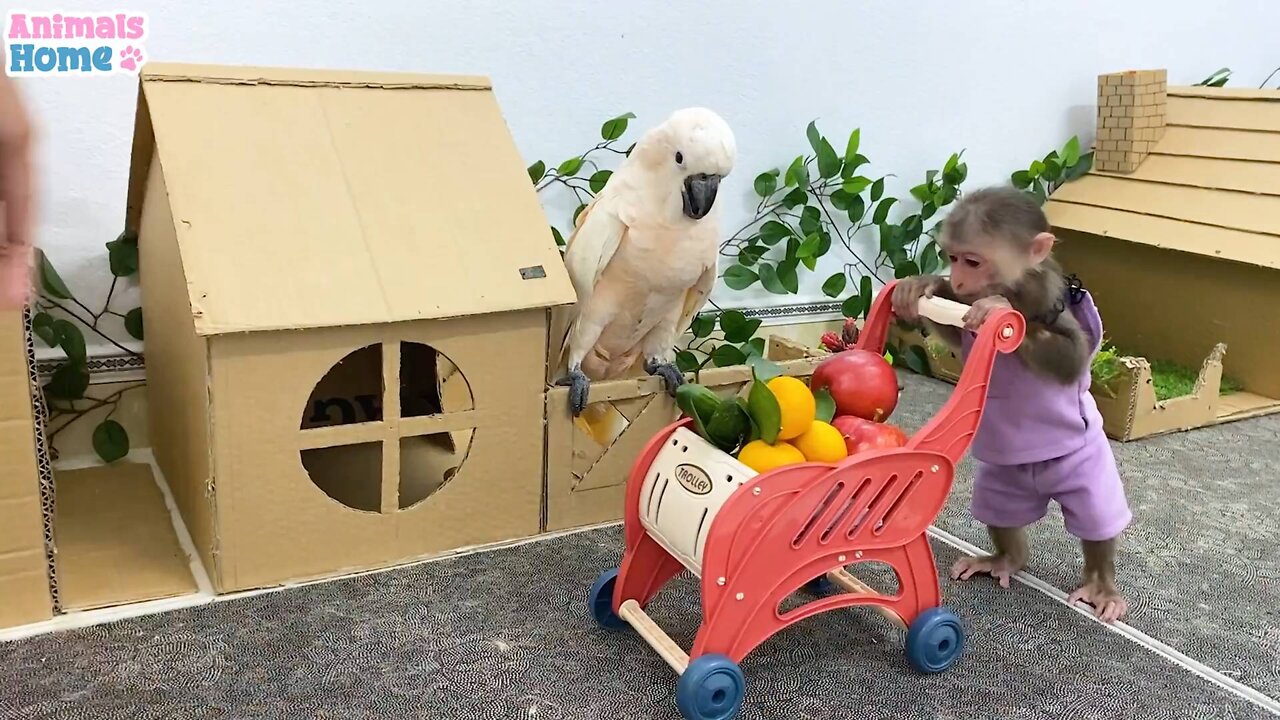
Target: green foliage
x=1217 y=79
x=823 y=200
x=59 y=321
x=1169 y=379
x=1043 y=176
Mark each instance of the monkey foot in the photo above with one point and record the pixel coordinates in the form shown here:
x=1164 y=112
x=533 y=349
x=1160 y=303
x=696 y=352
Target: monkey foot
x=1107 y=602
x=1000 y=567
x=670 y=374
x=579 y=388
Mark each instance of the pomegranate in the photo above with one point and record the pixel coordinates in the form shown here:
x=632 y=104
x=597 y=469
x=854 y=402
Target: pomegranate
x=861 y=382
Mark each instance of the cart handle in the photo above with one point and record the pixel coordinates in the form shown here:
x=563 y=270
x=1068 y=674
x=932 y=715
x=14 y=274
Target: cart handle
x=952 y=429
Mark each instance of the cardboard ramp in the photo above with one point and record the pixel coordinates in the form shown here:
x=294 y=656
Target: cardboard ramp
x=116 y=542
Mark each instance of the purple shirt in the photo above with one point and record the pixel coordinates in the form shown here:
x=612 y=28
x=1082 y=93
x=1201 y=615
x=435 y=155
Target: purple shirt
x=1029 y=418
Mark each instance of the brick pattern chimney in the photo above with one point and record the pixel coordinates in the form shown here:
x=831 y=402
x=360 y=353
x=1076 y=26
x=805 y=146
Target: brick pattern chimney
x=1131 y=117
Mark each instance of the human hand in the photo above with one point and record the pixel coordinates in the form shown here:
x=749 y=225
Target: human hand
x=907 y=294
x=980 y=310
x=15 y=198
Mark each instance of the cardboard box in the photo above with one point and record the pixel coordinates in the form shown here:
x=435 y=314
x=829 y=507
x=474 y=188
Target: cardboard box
x=587 y=472
x=28 y=584
x=1183 y=259
x=347 y=279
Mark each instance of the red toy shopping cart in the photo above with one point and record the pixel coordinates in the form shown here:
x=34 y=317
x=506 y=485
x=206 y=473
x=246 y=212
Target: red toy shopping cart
x=753 y=539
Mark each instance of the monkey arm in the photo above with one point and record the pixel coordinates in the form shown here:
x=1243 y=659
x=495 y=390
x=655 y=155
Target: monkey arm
x=1057 y=350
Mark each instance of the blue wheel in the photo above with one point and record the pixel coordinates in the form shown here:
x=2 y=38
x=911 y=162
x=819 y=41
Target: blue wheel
x=710 y=689
x=601 y=600
x=819 y=586
x=935 y=640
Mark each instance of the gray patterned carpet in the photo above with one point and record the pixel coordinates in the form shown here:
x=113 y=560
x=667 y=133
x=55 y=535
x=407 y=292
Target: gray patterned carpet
x=505 y=635
x=1201 y=563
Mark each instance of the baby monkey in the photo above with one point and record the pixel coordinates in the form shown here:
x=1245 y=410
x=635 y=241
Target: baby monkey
x=1040 y=437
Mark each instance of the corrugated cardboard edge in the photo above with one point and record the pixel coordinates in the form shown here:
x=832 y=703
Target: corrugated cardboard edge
x=43 y=462
x=1223 y=93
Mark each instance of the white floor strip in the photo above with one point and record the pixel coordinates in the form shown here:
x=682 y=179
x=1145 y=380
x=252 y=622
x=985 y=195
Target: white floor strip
x=1120 y=628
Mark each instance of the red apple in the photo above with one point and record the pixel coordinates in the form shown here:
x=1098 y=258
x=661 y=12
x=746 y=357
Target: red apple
x=861 y=382
x=861 y=435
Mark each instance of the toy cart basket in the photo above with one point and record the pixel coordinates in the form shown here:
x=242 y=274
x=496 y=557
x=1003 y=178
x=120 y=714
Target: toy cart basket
x=753 y=539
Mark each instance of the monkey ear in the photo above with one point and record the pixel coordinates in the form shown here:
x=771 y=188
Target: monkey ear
x=1041 y=246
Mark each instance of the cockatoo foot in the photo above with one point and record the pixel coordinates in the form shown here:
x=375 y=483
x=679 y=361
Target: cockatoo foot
x=579 y=387
x=670 y=374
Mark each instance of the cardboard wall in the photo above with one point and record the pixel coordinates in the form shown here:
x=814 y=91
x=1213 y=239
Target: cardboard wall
x=1164 y=304
x=276 y=524
x=24 y=572
x=177 y=372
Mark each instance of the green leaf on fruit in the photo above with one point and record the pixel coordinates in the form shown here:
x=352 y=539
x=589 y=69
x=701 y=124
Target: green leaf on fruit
x=763 y=407
x=110 y=441
x=826 y=405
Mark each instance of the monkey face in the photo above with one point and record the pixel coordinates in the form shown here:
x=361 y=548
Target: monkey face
x=985 y=266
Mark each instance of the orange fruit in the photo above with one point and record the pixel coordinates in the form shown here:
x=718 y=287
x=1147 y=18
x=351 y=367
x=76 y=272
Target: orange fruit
x=797 y=404
x=822 y=443
x=761 y=456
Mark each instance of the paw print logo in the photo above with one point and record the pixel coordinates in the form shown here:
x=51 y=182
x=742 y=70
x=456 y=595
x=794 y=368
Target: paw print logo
x=130 y=58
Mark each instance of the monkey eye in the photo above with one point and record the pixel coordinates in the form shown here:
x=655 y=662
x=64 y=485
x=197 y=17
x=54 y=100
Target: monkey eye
x=679 y=158
x=971 y=262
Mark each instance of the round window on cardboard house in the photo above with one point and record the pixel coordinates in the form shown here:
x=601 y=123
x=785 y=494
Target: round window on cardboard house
x=387 y=426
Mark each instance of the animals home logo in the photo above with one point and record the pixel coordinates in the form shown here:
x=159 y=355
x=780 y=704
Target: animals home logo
x=63 y=44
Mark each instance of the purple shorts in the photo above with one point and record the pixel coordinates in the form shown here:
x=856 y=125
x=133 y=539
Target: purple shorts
x=1085 y=483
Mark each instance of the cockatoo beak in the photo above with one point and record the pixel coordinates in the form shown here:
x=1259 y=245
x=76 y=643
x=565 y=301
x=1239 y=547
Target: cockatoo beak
x=699 y=194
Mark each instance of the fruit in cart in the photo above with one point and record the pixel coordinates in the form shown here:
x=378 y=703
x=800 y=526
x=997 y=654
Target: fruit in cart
x=797 y=407
x=861 y=434
x=762 y=456
x=822 y=442
x=861 y=382
x=723 y=423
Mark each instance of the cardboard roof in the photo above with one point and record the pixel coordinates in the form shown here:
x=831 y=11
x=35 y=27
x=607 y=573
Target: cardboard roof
x=1210 y=186
x=317 y=198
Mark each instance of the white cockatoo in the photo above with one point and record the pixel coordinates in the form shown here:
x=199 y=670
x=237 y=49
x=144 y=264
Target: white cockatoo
x=643 y=256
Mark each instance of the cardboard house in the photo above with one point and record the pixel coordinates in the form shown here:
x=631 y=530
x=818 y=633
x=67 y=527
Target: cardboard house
x=28 y=585
x=1176 y=232
x=346 y=279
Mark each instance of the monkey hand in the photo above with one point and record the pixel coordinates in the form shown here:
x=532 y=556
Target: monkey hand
x=907 y=294
x=980 y=310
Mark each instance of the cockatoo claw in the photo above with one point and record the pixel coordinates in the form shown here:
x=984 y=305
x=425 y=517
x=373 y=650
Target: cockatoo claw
x=670 y=374
x=579 y=387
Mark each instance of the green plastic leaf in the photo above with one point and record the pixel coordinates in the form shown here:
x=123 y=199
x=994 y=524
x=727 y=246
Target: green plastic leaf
x=753 y=348
x=42 y=326
x=946 y=195
x=864 y=290
x=1071 y=152
x=829 y=163
x=855 y=185
x=1078 y=170
x=809 y=248
x=599 y=179
x=912 y=229
x=1037 y=169
x=826 y=405
x=877 y=190
x=110 y=441
x=841 y=199
x=766 y=183
x=773 y=231
x=906 y=269
x=698 y=403
x=852 y=306
x=882 y=210
x=857 y=209
x=810 y=220
x=71 y=340
x=726 y=355
x=788 y=276
x=927 y=210
x=795 y=198
x=951 y=163
x=736 y=327
x=764 y=410
x=921 y=192
x=815 y=137
x=686 y=361
x=703 y=325
x=578 y=211
x=763 y=369
x=69 y=381
x=851 y=148
x=1052 y=170
x=50 y=280
x=753 y=432
x=1021 y=179
x=891 y=238
x=614 y=128
x=851 y=165
x=738 y=277
x=537 y=171
x=570 y=167
x=928 y=260
x=727 y=426
x=750 y=254
x=769 y=279
x=798 y=173
x=558 y=237
x=917 y=359
x=834 y=285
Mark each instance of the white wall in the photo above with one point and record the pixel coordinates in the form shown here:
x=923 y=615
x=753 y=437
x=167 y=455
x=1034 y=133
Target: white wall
x=1005 y=79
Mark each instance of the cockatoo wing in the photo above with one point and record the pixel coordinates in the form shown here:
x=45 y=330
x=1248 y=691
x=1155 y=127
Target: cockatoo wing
x=696 y=297
x=600 y=231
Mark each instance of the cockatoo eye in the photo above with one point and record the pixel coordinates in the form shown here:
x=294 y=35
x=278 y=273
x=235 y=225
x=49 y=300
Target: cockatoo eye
x=679 y=158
